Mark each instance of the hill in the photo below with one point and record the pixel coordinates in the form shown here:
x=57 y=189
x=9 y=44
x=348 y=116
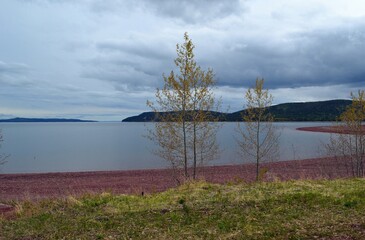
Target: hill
x=43 y=120
x=153 y=117
x=305 y=111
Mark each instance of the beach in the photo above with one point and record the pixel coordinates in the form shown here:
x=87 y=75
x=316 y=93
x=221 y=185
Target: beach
x=36 y=186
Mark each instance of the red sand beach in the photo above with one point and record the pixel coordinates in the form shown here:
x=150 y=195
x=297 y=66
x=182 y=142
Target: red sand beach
x=49 y=185
x=329 y=129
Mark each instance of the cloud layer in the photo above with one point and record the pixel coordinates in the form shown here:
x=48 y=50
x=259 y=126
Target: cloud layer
x=103 y=59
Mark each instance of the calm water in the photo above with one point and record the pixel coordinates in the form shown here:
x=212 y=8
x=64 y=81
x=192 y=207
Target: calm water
x=58 y=147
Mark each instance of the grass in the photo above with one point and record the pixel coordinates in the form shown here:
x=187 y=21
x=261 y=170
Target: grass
x=325 y=209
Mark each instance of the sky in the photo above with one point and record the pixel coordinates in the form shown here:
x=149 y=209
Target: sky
x=103 y=59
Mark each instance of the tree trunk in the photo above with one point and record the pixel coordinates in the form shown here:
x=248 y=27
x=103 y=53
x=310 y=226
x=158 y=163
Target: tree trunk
x=258 y=150
x=185 y=152
x=194 y=149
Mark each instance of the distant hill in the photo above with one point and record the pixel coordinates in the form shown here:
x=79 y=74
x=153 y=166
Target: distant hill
x=153 y=117
x=306 y=111
x=43 y=120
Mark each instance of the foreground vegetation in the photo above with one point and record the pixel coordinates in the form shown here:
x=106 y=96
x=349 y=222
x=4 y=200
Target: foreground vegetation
x=325 y=209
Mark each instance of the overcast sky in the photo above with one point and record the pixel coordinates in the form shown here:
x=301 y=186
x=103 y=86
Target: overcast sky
x=102 y=59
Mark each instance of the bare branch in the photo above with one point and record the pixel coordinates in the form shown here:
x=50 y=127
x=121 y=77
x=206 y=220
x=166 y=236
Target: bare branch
x=183 y=135
x=349 y=144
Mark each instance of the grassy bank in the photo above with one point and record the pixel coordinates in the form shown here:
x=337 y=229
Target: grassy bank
x=280 y=210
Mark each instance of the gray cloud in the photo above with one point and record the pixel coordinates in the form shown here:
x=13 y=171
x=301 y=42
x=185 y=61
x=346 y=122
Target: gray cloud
x=316 y=58
x=14 y=74
x=130 y=65
x=124 y=76
x=188 y=11
x=312 y=58
x=12 y=68
x=195 y=11
x=96 y=58
x=154 y=50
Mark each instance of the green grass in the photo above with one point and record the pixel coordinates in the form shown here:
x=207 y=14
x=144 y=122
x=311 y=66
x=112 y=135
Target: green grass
x=280 y=210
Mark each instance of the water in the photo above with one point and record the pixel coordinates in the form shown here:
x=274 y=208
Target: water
x=60 y=147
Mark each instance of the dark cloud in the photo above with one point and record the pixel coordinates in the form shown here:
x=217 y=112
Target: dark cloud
x=316 y=58
x=188 y=11
x=194 y=11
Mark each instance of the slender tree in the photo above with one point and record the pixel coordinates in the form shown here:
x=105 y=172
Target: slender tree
x=349 y=144
x=258 y=138
x=184 y=132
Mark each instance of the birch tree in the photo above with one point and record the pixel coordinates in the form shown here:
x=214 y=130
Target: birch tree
x=258 y=138
x=185 y=132
x=348 y=145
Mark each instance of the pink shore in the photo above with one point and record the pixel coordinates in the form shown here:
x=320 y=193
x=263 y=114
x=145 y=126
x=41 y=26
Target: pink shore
x=329 y=129
x=50 y=185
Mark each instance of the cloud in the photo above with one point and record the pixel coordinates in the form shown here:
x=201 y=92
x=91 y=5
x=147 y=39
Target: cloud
x=313 y=58
x=124 y=78
x=12 y=68
x=89 y=55
x=125 y=75
x=194 y=11
x=130 y=64
x=186 y=11
x=136 y=48
x=14 y=74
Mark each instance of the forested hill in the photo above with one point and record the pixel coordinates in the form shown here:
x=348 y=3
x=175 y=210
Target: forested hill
x=306 y=111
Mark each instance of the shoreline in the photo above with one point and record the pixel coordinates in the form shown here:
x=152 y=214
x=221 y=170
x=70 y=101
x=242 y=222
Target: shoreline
x=329 y=129
x=36 y=186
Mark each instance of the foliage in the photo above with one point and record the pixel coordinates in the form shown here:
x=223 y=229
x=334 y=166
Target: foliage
x=184 y=136
x=258 y=138
x=309 y=111
x=349 y=145
x=279 y=210
x=299 y=111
